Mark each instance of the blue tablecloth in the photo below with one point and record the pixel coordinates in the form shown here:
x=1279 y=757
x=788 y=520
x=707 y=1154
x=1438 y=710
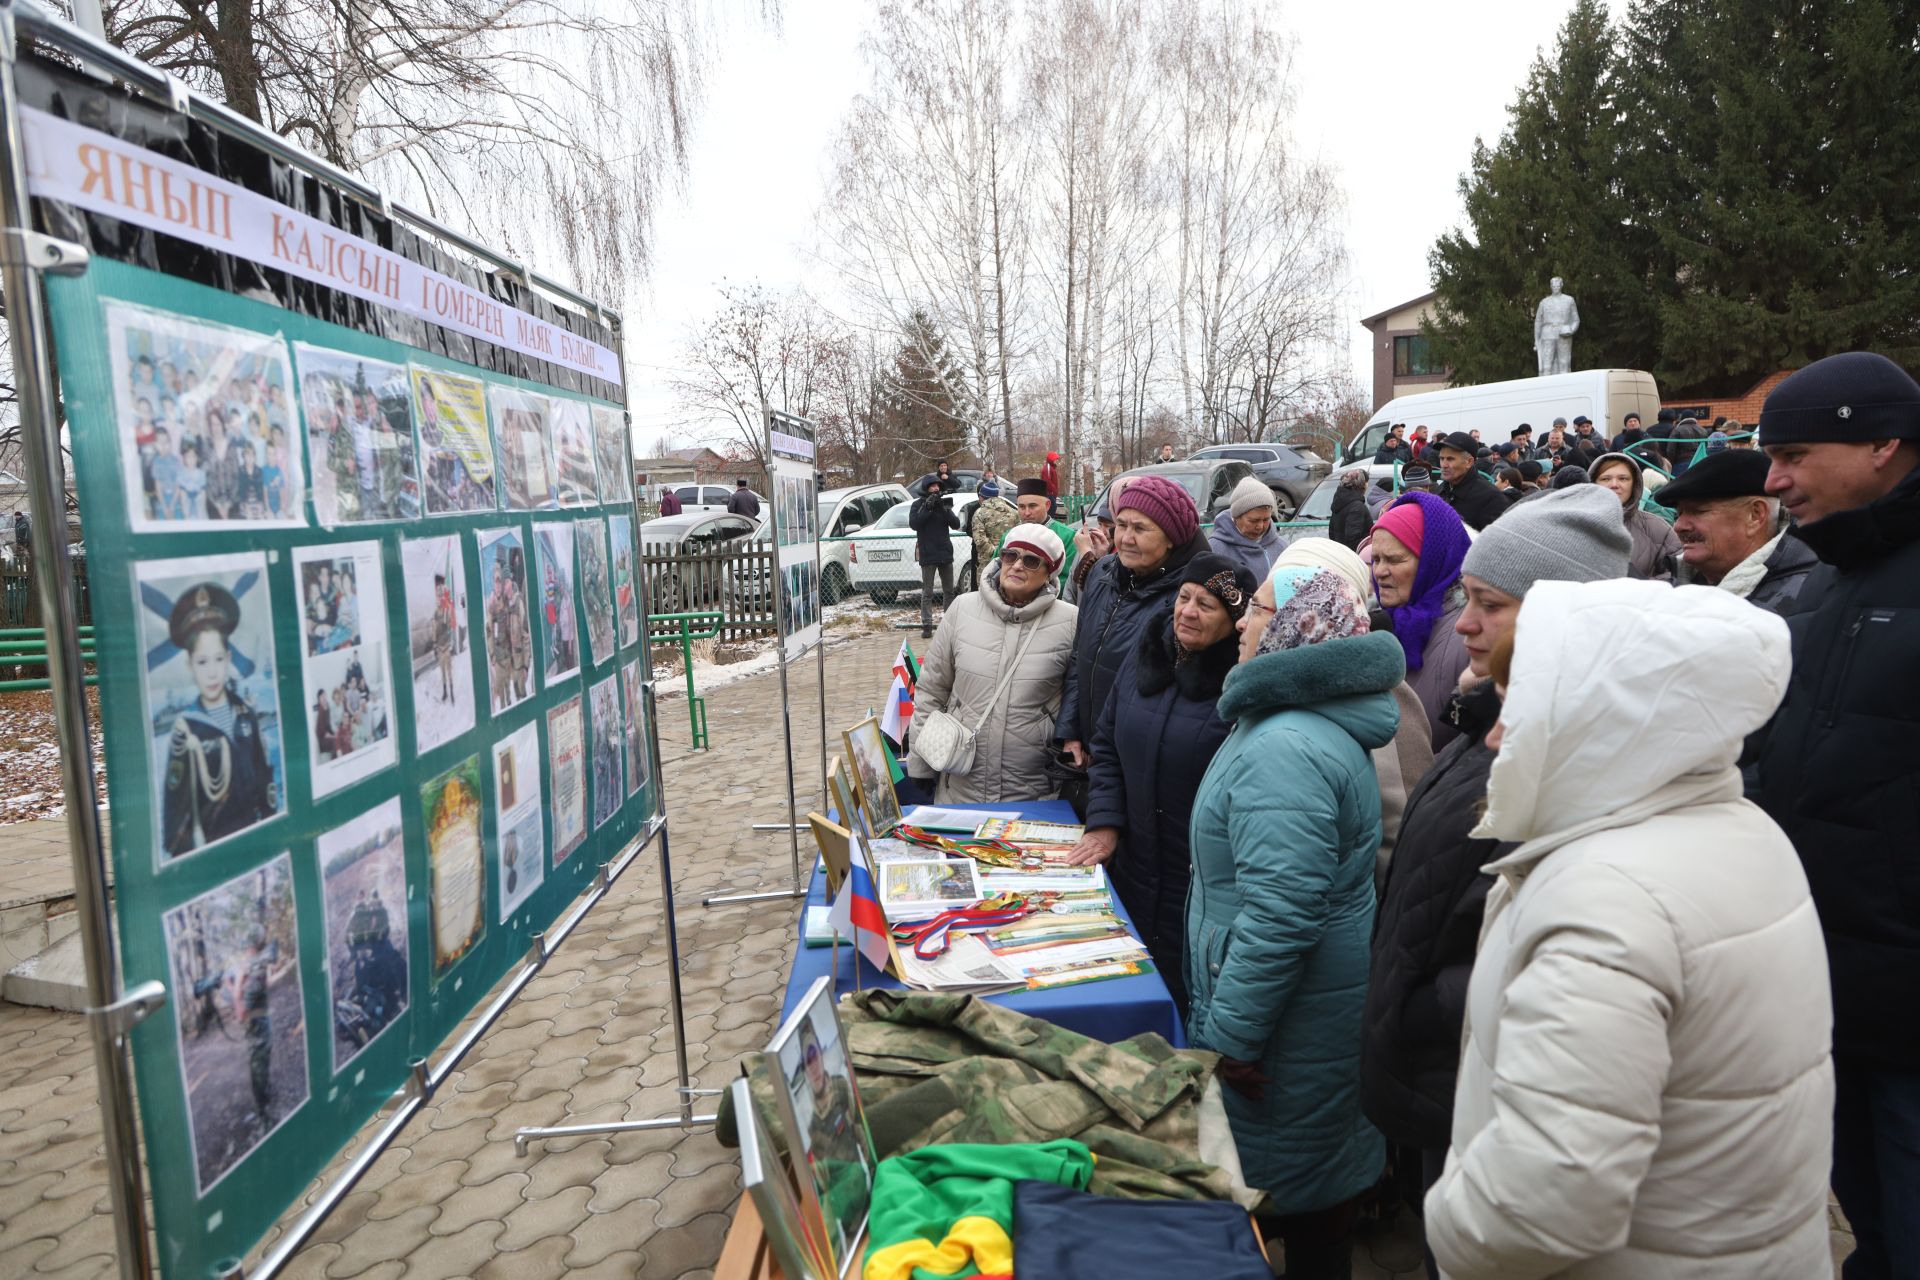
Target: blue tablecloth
x=1109 y=1010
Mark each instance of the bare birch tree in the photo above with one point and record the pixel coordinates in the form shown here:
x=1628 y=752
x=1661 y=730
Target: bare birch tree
x=550 y=126
x=760 y=350
x=923 y=212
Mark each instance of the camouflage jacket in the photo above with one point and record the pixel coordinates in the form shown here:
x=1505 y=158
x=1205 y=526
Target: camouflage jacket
x=942 y=1068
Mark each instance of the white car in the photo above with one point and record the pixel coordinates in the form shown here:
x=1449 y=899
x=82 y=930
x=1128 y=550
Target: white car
x=880 y=558
x=843 y=513
x=698 y=499
x=680 y=554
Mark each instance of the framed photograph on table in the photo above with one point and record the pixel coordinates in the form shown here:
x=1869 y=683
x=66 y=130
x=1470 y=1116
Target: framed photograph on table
x=867 y=753
x=763 y=1177
x=846 y=801
x=818 y=1105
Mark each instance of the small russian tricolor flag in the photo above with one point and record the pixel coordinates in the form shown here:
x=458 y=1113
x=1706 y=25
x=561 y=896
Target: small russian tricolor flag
x=856 y=910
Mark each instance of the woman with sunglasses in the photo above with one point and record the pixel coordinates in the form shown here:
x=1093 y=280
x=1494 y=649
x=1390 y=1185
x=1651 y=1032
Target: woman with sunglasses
x=997 y=664
x=1151 y=747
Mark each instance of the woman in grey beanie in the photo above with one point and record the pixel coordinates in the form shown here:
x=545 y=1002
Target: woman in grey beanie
x=1244 y=532
x=1430 y=907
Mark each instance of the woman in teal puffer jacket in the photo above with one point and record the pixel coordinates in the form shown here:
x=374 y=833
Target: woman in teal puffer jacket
x=1281 y=909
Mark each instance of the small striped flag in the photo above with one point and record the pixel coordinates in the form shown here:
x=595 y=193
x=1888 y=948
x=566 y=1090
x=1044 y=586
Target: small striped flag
x=899 y=713
x=856 y=910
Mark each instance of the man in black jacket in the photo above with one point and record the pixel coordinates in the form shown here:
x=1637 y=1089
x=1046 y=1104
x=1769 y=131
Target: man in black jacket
x=1394 y=448
x=1464 y=487
x=1837 y=768
x=741 y=502
x=932 y=520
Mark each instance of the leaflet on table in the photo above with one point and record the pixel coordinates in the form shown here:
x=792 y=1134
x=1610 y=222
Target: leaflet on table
x=1050 y=930
x=887 y=849
x=1068 y=975
x=1049 y=879
x=920 y=888
x=1066 y=953
x=966 y=965
x=1020 y=831
x=933 y=817
x=816 y=928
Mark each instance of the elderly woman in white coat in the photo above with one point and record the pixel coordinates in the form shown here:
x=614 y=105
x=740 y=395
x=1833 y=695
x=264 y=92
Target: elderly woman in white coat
x=1646 y=1088
x=997 y=665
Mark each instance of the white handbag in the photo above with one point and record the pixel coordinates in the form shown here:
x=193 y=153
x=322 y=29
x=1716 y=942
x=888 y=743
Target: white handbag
x=945 y=744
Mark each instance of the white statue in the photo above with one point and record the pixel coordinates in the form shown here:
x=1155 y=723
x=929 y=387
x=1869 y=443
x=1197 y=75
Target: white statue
x=1555 y=321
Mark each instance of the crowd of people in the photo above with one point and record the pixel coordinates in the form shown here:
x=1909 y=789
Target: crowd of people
x=1524 y=860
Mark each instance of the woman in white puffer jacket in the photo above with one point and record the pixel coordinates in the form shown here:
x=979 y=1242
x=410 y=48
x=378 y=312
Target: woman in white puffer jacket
x=1646 y=1089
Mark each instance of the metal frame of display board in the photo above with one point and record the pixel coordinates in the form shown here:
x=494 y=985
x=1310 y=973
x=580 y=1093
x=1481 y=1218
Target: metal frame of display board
x=26 y=256
x=793 y=826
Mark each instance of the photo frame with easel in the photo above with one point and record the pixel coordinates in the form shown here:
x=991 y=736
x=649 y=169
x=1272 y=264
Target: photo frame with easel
x=834 y=841
x=867 y=759
x=809 y=1064
x=769 y=1184
x=846 y=801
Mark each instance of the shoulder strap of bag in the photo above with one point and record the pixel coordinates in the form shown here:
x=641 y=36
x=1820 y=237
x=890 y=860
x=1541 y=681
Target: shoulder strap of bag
x=1006 y=677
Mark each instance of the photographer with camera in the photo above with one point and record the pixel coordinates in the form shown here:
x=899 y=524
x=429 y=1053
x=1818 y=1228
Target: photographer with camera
x=932 y=521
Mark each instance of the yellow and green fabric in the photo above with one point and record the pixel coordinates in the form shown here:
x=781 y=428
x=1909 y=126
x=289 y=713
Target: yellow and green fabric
x=947 y=1211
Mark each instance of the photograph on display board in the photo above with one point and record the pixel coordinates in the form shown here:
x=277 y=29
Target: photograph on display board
x=609 y=739
x=522 y=451
x=239 y=1022
x=612 y=453
x=826 y=1129
x=559 y=621
x=359 y=437
x=572 y=428
x=456 y=453
x=567 y=763
x=363 y=878
x=204 y=418
x=213 y=710
x=437 y=642
x=343 y=658
x=867 y=758
x=450 y=805
x=626 y=600
x=596 y=587
x=520 y=837
x=639 y=765
x=503 y=606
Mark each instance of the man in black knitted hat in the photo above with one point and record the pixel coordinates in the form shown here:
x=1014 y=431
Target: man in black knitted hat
x=1837 y=770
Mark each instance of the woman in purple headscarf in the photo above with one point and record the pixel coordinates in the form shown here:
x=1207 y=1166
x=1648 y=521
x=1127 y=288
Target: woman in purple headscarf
x=1418 y=544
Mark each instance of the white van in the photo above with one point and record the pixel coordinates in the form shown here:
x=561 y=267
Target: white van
x=1496 y=408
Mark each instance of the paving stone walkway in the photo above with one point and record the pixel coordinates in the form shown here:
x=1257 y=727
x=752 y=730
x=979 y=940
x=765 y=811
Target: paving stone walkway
x=589 y=1041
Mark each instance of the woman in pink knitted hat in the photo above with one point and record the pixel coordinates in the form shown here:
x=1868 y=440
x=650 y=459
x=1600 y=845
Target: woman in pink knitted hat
x=1156 y=530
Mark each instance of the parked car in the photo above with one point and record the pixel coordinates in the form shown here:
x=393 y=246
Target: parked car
x=963 y=482
x=698 y=499
x=880 y=559
x=746 y=586
x=1209 y=482
x=1291 y=473
x=1496 y=408
x=687 y=582
x=843 y=513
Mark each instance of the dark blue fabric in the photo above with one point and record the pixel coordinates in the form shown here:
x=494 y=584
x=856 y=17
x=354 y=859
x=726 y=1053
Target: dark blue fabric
x=1063 y=1234
x=1110 y=1010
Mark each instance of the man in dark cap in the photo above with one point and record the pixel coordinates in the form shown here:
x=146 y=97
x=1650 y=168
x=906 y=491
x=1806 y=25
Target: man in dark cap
x=1394 y=448
x=1733 y=535
x=1837 y=770
x=1586 y=443
x=1464 y=487
x=1521 y=438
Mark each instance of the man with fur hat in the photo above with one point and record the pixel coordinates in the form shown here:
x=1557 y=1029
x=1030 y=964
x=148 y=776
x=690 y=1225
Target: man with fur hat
x=1244 y=532
x=1734 y=535
x=1836 y=768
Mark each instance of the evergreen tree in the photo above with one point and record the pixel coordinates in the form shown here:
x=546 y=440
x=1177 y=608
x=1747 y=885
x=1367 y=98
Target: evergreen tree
x=920 y=417
x=1547 y=200
x=1776 y=147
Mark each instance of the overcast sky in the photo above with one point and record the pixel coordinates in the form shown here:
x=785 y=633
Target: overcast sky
x=1391 y=92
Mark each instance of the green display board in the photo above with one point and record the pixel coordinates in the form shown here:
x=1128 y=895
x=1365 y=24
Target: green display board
x=373 y=696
